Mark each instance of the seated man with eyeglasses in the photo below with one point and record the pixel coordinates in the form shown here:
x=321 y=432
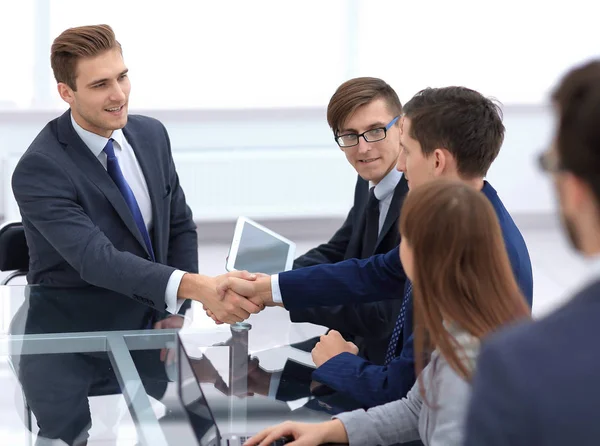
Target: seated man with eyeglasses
x=364 y=116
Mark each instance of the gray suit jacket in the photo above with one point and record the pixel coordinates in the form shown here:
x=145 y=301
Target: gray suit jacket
x=80 y=231
x=411 y=418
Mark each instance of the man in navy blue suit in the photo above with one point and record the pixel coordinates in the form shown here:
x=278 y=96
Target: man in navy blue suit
x=452 y=132
x=537 y=383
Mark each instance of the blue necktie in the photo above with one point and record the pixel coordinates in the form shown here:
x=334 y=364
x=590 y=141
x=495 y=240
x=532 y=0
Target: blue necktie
x=114 y=170
x=393 y=345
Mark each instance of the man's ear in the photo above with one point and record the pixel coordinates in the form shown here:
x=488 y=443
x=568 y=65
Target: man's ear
x=576 y=194
x=66 y=93
x=440 y=161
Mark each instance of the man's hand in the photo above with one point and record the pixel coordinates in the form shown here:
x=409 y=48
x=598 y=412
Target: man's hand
x=229 y=307
x=176 y=322
x=259 y=379
x=257 y=291
x=330 y=345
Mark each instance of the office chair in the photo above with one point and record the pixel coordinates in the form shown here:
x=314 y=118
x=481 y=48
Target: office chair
x=14 y=256
x=14 y=253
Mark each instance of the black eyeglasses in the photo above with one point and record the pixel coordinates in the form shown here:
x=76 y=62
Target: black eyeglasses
x=373 y=135
x=548 y=161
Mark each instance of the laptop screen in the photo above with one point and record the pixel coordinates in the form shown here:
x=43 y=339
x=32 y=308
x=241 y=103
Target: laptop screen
x=194 y=401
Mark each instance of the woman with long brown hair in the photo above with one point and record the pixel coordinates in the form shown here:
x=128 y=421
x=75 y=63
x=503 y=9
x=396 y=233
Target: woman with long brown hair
x=463 y=289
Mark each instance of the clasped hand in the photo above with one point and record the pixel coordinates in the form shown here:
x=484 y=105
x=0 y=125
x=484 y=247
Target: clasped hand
x=242 y=294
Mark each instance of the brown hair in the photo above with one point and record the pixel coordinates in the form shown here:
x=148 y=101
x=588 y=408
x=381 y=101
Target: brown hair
x=461 y=271
x=460 y=120
x=355 y=93
x=76 y=43
x=578 y=140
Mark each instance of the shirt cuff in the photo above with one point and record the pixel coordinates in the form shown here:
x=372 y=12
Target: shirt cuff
x=172 y=303
x=274 y=385
x=275 y=291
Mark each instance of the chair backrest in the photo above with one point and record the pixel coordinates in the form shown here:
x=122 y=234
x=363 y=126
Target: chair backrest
x=14 y=253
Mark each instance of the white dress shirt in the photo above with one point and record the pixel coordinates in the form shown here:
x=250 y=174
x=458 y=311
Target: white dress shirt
x=137 y=182
x=384 y=192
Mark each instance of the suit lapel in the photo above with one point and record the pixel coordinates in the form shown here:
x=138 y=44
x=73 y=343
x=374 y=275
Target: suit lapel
x=392 y=217
x=87 y=162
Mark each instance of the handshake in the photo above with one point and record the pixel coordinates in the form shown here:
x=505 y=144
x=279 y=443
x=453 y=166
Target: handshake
x=231 y=297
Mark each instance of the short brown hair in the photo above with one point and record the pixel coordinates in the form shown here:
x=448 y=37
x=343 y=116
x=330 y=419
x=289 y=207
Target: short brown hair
x=460 y=120
x=578 y=138
x=355 y=93
x=454 y=234
x=76 y=43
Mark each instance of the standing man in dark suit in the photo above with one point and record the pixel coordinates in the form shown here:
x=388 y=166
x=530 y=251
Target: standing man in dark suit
x=363 y=114
x=103 y=209
x=537 y=383
x=451 y=132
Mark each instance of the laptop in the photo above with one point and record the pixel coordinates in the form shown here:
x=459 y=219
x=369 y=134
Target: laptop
x=199 y=413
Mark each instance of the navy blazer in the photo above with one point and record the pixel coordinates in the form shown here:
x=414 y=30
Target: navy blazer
x=376 y=278
x=368 y=325
x=538 y=383
x=80 y=231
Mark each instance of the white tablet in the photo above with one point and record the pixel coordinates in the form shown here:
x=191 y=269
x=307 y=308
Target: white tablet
x=259 y=250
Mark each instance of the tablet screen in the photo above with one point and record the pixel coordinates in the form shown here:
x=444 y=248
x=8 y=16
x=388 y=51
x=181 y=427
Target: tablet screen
x=260 y=252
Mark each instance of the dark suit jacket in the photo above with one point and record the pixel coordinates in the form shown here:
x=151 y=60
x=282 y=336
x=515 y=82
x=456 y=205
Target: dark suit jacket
x=537 y=383
x=377 y=278
x=80 y=231
x=368 y=325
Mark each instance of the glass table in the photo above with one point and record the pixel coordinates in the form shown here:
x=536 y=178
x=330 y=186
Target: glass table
x=59 y=351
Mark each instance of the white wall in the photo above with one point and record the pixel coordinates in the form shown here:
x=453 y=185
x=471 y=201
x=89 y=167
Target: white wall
x=284 y=163
x=515 y=174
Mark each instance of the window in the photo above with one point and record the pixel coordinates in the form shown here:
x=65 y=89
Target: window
x=237 y=54
x=230 y=54
x=17 y=36
x=515 y=51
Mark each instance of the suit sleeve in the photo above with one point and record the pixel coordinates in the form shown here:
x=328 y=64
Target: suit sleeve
x=331 y=252
x=396 y=422
x=183 y=238
x=50 y=204
x=497 y=414
x=368 y=383
x=372 y=319
x=379 y=277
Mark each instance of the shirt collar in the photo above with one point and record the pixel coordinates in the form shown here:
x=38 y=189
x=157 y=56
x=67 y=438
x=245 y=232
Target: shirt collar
x=96 y=143
x=387 y=185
